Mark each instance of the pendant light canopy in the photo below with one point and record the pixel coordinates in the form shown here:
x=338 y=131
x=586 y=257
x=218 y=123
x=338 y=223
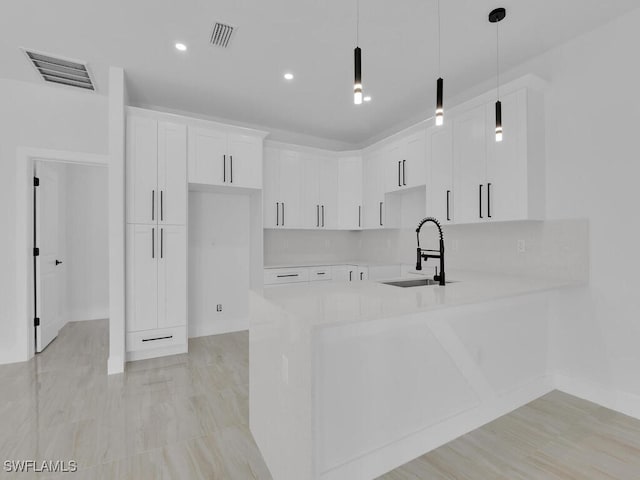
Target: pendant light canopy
x=440 y=81
x=496 y=16
x=357 y=61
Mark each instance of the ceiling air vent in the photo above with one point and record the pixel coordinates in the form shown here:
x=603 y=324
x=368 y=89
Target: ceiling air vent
x=61 y=71
x=221 y=34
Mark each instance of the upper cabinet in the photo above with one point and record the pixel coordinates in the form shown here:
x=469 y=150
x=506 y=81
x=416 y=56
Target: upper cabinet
x=220 y=158
x=350 y=193
x=156 y=171
x=283 y=188
x=374 y=174
x=320 y=200
x=440 y=178
x=406 y=162
x=499 y=181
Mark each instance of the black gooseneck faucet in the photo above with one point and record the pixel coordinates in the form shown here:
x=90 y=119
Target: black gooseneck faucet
x=427 y=254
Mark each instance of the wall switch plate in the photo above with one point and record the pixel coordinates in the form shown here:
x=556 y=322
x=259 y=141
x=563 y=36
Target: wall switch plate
x=219 y=307
x=522 y=246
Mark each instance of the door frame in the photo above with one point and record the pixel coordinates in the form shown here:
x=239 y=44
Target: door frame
x=24 y=233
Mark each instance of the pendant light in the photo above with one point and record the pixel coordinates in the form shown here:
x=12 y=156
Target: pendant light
x=496 y=16
x=440 y=82
x=357 y=60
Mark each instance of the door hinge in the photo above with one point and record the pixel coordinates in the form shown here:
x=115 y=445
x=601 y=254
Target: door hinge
x=36 y=322
x=36 y=252
x=36 y=182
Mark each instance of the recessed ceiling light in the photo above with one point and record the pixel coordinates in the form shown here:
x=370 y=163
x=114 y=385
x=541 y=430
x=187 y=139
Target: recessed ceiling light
x=367 y=98
x=181 y=47
x=288 y=76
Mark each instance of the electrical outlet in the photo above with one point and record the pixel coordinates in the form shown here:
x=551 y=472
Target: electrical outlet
x=522 y=246
x=219 y=307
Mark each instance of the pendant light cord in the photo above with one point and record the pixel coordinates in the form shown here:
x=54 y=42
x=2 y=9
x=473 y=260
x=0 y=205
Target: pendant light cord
x=439 y=40
x=498 y=58
x=357 y=23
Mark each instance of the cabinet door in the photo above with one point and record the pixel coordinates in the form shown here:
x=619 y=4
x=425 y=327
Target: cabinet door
x=393 y=157
x=363 y=273
x=440 y=193
x=328 y=192
x=469 y=159
x=350 y=193
x=271 y=190
x=207 y=156
x=310 y=206
x=414 y=161
x=244 y=165
x=506 y=194
x=142 y=277
x=373 y=188
x=172 y=173
x=291 y=179
x=142 y=170
x=172 y=276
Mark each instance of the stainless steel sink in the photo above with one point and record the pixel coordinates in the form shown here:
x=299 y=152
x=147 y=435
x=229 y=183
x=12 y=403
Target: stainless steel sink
x=422 y=282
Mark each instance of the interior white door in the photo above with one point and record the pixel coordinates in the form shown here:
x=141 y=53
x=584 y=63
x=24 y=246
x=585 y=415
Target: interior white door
x=172 y=173
x=49 y=269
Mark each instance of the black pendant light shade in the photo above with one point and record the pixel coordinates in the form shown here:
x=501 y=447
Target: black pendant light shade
x=357 y=84
x=498 y=121
x=439 y=107
x=496 y=16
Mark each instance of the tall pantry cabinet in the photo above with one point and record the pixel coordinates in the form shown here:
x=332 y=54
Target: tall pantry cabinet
x=156 y=237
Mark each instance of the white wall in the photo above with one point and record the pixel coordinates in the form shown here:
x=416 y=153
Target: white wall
x=44 y=117
x=219 y=261
x=297 y=247
x=87 y=255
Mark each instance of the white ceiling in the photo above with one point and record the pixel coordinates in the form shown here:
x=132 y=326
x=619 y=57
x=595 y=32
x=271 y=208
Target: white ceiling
x=314 y=39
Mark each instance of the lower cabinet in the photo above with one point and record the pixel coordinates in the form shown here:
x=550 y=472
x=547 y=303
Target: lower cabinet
x=156 y=292
x=334 y=273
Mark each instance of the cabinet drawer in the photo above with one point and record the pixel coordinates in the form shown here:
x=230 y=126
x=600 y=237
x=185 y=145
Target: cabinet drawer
x=320 y=273
x=276 y=276
x=156 y=338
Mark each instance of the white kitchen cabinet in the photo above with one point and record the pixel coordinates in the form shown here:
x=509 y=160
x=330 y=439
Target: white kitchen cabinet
x=373 y=189
x=156 y=172
x=350 y=193
x=320 y=204
x=363 y=273
x=406 y=162
x=440 y=186
x=156 y=281
x=217 y=157
x=283 y=189
x=470 y=160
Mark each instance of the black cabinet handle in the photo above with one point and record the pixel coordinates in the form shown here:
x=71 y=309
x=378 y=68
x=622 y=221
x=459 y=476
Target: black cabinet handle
x=162 y=243
x=153 y=205
x=321 y=273
x=480 y=201
x=350 y=273
x=361 y=274
x=283 y=214
x=224 y=168
x=448 y=215
x=157 y=338
x=277 y=214
x=404 y=173
x=489 y=200
x=288 y=275
x=231 y=167
x=153 y=243
x=161 y=205
x=399 y=167
x=317 y=215
x=323 y=215
x=359 y=215
x=380 y=213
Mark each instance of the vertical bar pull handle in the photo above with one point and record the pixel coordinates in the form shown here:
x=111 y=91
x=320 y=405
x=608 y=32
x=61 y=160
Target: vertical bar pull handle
x=231 y=167
x=350 y=274
x=404 y=173
x=283 y=214
x=317 y=215
x=359 y=215
x=323 y=215
x=153 y=243
x=489 y=200
x=448 y=204
x=224 y=168
x=153 y=205
x=380 y=213
x=361 y=274
x=480 y=202
x=399 y=167
x=162 y=205
x=162 y=243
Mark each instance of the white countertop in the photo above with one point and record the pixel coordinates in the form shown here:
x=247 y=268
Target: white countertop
x=318 y=264
x=324 y=303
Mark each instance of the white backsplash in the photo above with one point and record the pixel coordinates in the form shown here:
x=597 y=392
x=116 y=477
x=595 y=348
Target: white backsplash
x=553 y=249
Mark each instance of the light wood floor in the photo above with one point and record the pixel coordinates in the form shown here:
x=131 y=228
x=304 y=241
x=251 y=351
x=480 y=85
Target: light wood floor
x=186 y=417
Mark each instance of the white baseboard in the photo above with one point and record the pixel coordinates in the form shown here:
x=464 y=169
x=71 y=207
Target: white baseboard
x=218 y=327
x=157 y=352
x=85 y=315
x=377 y=462
x=623 y=402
